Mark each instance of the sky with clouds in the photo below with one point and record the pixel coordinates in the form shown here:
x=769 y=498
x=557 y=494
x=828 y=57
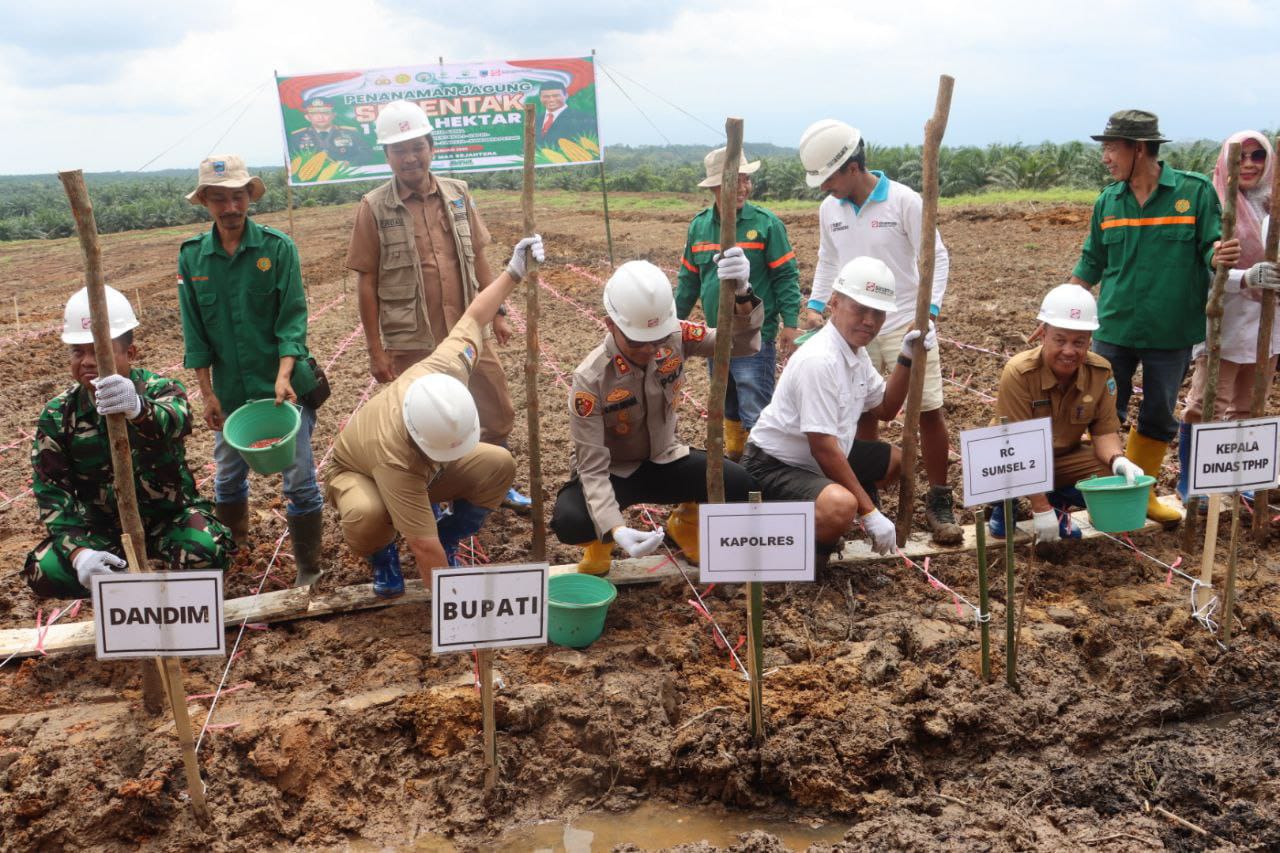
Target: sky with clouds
x=123 y=84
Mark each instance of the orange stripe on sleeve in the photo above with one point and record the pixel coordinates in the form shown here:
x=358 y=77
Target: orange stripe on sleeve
x=704 y=247
x=782 y=260
x=690 y=267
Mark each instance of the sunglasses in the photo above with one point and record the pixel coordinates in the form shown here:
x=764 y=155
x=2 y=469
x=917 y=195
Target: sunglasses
x=1257 y=155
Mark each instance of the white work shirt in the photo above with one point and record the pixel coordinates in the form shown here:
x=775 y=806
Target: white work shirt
x=1241 y=317
x=825 y=388
x=886 y=227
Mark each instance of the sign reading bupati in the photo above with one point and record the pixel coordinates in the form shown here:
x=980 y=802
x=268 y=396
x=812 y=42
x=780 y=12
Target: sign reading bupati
x=1235 y=455
x=745 y=543
x=166 y=614
x=1007 y=461
x=490 y=607
x=475 y=110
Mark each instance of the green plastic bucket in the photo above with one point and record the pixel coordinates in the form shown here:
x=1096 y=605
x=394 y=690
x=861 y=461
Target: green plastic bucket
x=577 y=607
x=259 y=420
x=1114 y=506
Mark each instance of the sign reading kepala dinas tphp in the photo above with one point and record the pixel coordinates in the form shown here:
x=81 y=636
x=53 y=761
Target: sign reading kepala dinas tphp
x=489 y=607
x=162 y=614
x=1234 y=455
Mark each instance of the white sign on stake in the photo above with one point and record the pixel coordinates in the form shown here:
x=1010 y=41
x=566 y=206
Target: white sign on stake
x=488 y=608
x=752 y=542
x=1007 y=461
x=1235 y=455
x=165 y=614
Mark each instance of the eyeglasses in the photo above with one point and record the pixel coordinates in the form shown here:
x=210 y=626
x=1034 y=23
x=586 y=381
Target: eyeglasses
x=1257 y=155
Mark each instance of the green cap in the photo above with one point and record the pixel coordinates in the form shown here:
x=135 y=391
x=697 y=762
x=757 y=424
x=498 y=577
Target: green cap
x=1135 y=125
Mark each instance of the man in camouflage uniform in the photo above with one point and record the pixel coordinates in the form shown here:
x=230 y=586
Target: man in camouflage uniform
x=72 y=472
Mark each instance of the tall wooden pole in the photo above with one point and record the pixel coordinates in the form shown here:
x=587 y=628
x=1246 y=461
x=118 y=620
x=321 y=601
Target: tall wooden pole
x=604 y=191
x=532 y=346
x=724 y=314
x=1263 y=369
x=933 y=131
x=755 y=649
x=117 y=428
x=984 y=626
x=484 y=667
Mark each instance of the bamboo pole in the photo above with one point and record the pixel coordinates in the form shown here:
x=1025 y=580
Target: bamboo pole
x=724 y=316
x=1213 y=363
x=984 y=625
x=604 y=192
x=117 y=428
x=933 y=131
x=1010 y=627
x=755 y=649
x=17 y=318
x=1229 y=599
x=484 y=664
x=1265 y=362
x=532 y=345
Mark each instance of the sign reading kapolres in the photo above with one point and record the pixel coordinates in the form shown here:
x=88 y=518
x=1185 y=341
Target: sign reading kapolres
x=475 y=111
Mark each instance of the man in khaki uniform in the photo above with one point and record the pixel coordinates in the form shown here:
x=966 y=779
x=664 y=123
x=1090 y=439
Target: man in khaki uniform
x=418 y=249
x=622 y=417
x=417 y=443
x=1064 y=381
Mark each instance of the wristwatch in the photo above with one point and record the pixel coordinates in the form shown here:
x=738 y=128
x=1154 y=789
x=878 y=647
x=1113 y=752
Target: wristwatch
x=502 y=310
x=745 y=297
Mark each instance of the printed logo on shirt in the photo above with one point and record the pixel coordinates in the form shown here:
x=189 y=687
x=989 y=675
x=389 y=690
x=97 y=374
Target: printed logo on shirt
x=883 y=223
x=1182 y=205
x=584 y=403
x=264 y=264
x=752 y=234
x=839 y=226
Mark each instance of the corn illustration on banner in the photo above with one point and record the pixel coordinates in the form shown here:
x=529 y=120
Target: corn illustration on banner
x=476 y=112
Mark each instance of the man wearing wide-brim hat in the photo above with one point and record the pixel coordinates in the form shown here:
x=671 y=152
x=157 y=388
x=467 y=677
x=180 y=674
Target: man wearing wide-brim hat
x=1151 y=248
x=244 y=329
x=775 y=278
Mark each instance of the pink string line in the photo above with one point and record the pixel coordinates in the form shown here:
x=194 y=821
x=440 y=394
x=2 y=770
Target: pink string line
x=69 y=612
x=30 y=334
x=963 y=345
x=244 y=685
x=956 y=598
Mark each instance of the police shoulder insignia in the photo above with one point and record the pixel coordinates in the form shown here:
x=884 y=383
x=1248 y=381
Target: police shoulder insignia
x=264 y=264
x=584 y=403
x=692 y=331
x=663 y=353
x=1182 y=205
x=620 y=365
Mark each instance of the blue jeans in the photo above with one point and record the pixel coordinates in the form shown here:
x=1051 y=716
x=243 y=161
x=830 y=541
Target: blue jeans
x=1162 y=373
x=751 y=381
x=231 y=481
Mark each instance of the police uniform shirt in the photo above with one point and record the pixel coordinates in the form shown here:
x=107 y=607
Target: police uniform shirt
x=1029 y=389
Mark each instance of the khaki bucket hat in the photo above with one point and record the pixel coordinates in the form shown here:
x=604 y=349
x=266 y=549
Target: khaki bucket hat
x=715 y=167
x=225 y=170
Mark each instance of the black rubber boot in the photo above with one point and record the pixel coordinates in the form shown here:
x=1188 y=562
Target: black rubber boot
x=305 y=532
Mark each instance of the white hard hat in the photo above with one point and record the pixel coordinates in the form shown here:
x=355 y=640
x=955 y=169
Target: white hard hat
x=76 y=325
x=1069 y=306
x=401 y=120
x=638 y=299
x=824 y=147
x=868 y=281
x=441 y=417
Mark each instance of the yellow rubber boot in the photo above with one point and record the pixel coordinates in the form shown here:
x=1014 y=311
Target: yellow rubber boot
x=682 y=527
x=735 y=439
x=1148 y=454
x=597 y=557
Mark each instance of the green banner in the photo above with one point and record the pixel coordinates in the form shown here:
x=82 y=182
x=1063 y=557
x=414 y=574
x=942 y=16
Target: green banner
x=476 y=112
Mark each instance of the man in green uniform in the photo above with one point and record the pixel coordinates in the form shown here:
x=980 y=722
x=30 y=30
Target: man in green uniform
x=72 y=476
x=775 y=279
x=1152 y=243
x=244 y=327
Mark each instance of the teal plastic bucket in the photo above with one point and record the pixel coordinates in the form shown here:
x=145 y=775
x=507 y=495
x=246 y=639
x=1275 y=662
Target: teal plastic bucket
x=577 y=606
x=1114 y=506
x=259 y=420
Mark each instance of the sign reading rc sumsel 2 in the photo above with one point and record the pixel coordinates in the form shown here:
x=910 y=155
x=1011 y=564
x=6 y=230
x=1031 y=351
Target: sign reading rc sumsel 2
x=756 y=542
x=489 y=608
x=165 y=614
x=1234 y=455
x=1007 y=461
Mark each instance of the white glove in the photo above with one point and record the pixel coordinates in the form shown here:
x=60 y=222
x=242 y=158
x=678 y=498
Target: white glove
x=909 y=340
x=734 y=266
x=518 y=266
x=884 y=536
x=1046 y=525
x=638 y=543
x=1264 y=275
x=1123 y=467
x=89 y=562
x=116 y=395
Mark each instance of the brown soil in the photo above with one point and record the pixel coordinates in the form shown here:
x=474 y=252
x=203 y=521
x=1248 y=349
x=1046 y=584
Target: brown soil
x=347 y=728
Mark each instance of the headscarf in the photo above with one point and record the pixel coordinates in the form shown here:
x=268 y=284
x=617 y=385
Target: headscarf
x=1251 y=205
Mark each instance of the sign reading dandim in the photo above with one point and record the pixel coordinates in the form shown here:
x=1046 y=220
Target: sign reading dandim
x=166 y=614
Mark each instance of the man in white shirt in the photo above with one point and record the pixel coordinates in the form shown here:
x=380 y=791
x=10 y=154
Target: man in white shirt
x=804 y=446
x=866 y=214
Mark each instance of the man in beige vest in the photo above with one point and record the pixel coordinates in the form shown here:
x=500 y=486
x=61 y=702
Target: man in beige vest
x=418 y=249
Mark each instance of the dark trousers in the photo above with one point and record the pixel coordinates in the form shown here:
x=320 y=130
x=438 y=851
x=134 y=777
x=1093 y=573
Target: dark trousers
x=1162 y=373
x=671 y=483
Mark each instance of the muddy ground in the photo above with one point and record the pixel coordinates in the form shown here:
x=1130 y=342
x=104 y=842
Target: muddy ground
x=347 y=729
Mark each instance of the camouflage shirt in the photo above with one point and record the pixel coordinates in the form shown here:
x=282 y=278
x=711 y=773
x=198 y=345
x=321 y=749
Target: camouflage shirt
x=71 y=461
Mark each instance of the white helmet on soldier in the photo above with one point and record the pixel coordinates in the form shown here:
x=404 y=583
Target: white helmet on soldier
x=401 y=120
x=825 y=146
x=76 y=325
x=869 y=282
x=638 y=299
x=441 y=417
x=1069 y=306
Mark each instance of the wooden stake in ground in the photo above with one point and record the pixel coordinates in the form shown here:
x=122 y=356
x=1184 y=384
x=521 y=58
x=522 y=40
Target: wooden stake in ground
x=755 y=649
x=484 y=667
x=724 y=316
x=17 y=318
x=1229 y=597
x=532 y=345
x=933 y=131
x=984 y=616
x=117 y=429
x=1213 y=363
x=604 y=195
x=1010 y=627
x=1263 y=372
